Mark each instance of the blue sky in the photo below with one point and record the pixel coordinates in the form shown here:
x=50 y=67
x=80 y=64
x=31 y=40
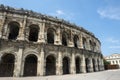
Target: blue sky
x=101 y=17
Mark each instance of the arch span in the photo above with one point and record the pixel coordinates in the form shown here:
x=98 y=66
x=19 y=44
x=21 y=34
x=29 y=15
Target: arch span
x=7 y=65
x=77 y=63
x=50 y=65
x=66 y=65
x=13 y=30
x=33 y=33
x=30 y=65
x=50 y=35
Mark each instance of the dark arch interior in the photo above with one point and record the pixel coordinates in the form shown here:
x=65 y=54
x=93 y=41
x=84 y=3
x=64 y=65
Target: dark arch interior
x=30 y=66
x=7 y=65
x=64 y=39
x=13 y=30
x=93 y=60
x=66 y=65
x=75 y=39
x=87 y=65
x=77 y=62
x=50 y=65
x=33 y=34
x=50 y=36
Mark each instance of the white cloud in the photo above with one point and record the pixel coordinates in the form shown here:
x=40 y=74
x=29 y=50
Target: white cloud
x=112 y=40
x=114 y=47
x=110 y=12
x=113 y=43
x=62 y=14
x=59 y=12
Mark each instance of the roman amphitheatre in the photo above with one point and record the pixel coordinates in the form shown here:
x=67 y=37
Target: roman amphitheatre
x=33 y=44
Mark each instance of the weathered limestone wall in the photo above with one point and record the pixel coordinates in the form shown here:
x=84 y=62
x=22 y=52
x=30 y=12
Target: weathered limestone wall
x=21 y=46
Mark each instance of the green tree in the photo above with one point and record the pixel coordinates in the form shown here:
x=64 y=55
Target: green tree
x=106 y=62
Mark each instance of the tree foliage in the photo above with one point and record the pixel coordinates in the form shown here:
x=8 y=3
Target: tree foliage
x=106 y=62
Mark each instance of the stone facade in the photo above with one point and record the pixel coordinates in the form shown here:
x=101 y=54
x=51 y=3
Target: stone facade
x=33 y=44
x=114 y=59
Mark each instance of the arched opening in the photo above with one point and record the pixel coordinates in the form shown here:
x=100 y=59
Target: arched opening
x=30 y=65
x=7 y=65
x=50 y=65
x=87 y=61
x=84 y=43
x=94 y=67
x=66 y=65
x=13 y=30
x=33 y=33
x=64 y=39
x=77 y=63
x=50 y=36
x=76 y=41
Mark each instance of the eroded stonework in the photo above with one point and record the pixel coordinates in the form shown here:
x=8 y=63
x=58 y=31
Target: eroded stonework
x=33 y=44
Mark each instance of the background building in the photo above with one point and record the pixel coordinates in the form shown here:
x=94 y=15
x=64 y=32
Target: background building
x=114 y=59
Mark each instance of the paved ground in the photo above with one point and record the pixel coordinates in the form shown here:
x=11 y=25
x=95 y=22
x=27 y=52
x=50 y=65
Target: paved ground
x=103 y=75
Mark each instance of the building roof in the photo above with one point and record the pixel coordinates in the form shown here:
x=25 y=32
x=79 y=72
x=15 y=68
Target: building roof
x=113 y=56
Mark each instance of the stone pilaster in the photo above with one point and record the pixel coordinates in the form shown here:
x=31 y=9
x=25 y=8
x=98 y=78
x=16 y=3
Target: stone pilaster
x=70 y=40
x=22 y=67
x=98 y=61
x=59 y=64
x=41 y=36
x=41 y=61
x=81 y=42
x=102 y=64
x=96 y=65
x=5 y=31
x=99 y=48
x=58 y=38
x=88 y=44
x=2 y=21
x=72 y=65
x=18 y=62
x=83 y=64
x=38 y=66
x=22 y=28
x=91 y=65
x=78 y=43
x=27 y=30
